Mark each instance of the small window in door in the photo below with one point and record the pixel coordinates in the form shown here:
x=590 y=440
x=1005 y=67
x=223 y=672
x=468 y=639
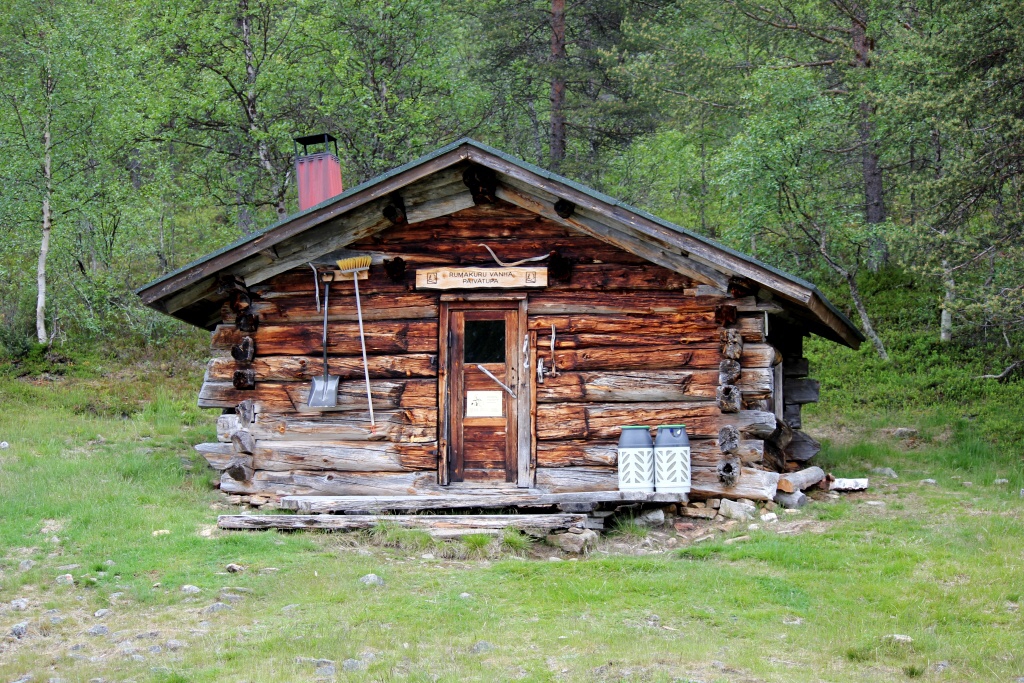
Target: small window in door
x=485 y=341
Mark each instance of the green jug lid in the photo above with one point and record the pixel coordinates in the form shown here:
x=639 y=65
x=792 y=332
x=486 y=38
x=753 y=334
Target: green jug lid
x=671 y=426
x=634 y=427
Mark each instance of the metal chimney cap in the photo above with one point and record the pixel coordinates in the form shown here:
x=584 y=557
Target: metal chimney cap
x=324 y=139
x=315 y=139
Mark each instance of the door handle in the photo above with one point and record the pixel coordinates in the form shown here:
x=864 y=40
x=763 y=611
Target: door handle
x=500 y=383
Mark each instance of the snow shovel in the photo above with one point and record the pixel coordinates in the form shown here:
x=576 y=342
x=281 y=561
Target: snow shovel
x=324 y=392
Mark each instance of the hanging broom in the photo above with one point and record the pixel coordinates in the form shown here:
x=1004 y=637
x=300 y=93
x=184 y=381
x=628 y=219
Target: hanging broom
x=356 y=265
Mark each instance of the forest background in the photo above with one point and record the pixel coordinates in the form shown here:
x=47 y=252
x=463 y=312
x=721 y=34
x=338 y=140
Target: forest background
x=871 y=146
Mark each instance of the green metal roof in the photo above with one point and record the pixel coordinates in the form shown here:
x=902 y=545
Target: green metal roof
x=527 y=166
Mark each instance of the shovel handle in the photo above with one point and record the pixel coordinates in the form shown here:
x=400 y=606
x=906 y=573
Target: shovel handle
x=327 y=288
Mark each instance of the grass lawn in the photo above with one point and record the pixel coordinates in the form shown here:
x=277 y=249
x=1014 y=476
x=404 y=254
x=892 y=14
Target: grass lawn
x=96 y=466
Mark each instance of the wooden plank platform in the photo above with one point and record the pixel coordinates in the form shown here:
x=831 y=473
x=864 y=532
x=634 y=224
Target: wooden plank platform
x=439 y=526
x=495 y=499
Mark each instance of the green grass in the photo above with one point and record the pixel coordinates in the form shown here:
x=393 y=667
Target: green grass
x=99 y=465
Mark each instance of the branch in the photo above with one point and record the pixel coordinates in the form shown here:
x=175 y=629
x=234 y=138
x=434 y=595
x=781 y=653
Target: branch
x=1005 y=374
x=801 y=65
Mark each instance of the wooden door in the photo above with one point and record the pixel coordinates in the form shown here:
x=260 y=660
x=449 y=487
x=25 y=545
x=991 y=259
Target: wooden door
x=482 y=386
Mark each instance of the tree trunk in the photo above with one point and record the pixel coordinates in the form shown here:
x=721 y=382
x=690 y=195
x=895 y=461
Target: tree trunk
x=871 y=168
x=44 y=243
x=946 y=322
x=557 y=142
x=869 y=329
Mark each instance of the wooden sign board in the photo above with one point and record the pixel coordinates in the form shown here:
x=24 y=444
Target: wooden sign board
x=450 y=277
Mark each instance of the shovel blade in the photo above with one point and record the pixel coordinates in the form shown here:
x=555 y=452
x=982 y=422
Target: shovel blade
x=323 y=394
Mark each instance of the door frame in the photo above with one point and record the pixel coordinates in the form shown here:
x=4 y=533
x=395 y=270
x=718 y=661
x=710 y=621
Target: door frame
x=522 y=385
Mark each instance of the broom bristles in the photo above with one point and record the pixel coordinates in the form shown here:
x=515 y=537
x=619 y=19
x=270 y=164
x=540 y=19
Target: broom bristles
x=355 y=263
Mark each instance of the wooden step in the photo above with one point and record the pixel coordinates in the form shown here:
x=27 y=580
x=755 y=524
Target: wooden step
x=504 y=499
x=438 y=526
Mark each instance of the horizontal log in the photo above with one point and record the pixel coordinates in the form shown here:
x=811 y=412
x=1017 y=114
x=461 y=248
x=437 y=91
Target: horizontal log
x=593 y=277
x=382 y=336
x=752 y=484
x=341 y=456
x=467 y=498
x=284 y=397
x=304 y=368
x=309 y=482
x=535 y=525
x=572 y=479
x=569 y=421
x=796 y=367
x=662 y=385
x=849 y=485
x=674 y=357
x=218 y=455
x=465 y=252
x=751 y=328
x=802 y=447
x=800 y=391
x=636 y=337
x=703 y=453
x=800 y=480
x=601 y=303
x=384 y=306
x=663 y=324
x=412 y=425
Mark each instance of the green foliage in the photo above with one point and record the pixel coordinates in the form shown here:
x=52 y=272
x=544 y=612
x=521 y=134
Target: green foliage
x=515 y=542
x=627 y=527
x=477 y=545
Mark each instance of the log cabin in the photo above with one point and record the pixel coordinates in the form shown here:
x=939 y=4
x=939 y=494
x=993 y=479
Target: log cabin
x=513 y=320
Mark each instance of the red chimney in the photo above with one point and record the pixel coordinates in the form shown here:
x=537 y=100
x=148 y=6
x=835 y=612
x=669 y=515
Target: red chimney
x=318 y=175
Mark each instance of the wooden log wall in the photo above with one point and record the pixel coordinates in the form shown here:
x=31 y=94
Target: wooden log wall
x=634 y=343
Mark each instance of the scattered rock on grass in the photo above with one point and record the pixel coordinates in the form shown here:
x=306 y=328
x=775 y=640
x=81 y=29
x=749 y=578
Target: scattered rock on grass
x=100 y=613
x=234 y=568
x=465 y=596
x=175 y=645
x=349 y=665
x=898 y=639
x=161 y=532
x=930 y=482
x=371 y=580
x=189 y=589
x=289 y=608
x=25 y=565
x=480 y=647
x=885 y=472
x=20 y=630
x=216 y=607
x=19 y=604
x=1000 y=482
x=904 y=433
x=98 y=630
x=65 y=580
x=232 y=597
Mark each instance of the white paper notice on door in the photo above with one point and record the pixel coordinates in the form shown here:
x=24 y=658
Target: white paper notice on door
x=484 y=404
